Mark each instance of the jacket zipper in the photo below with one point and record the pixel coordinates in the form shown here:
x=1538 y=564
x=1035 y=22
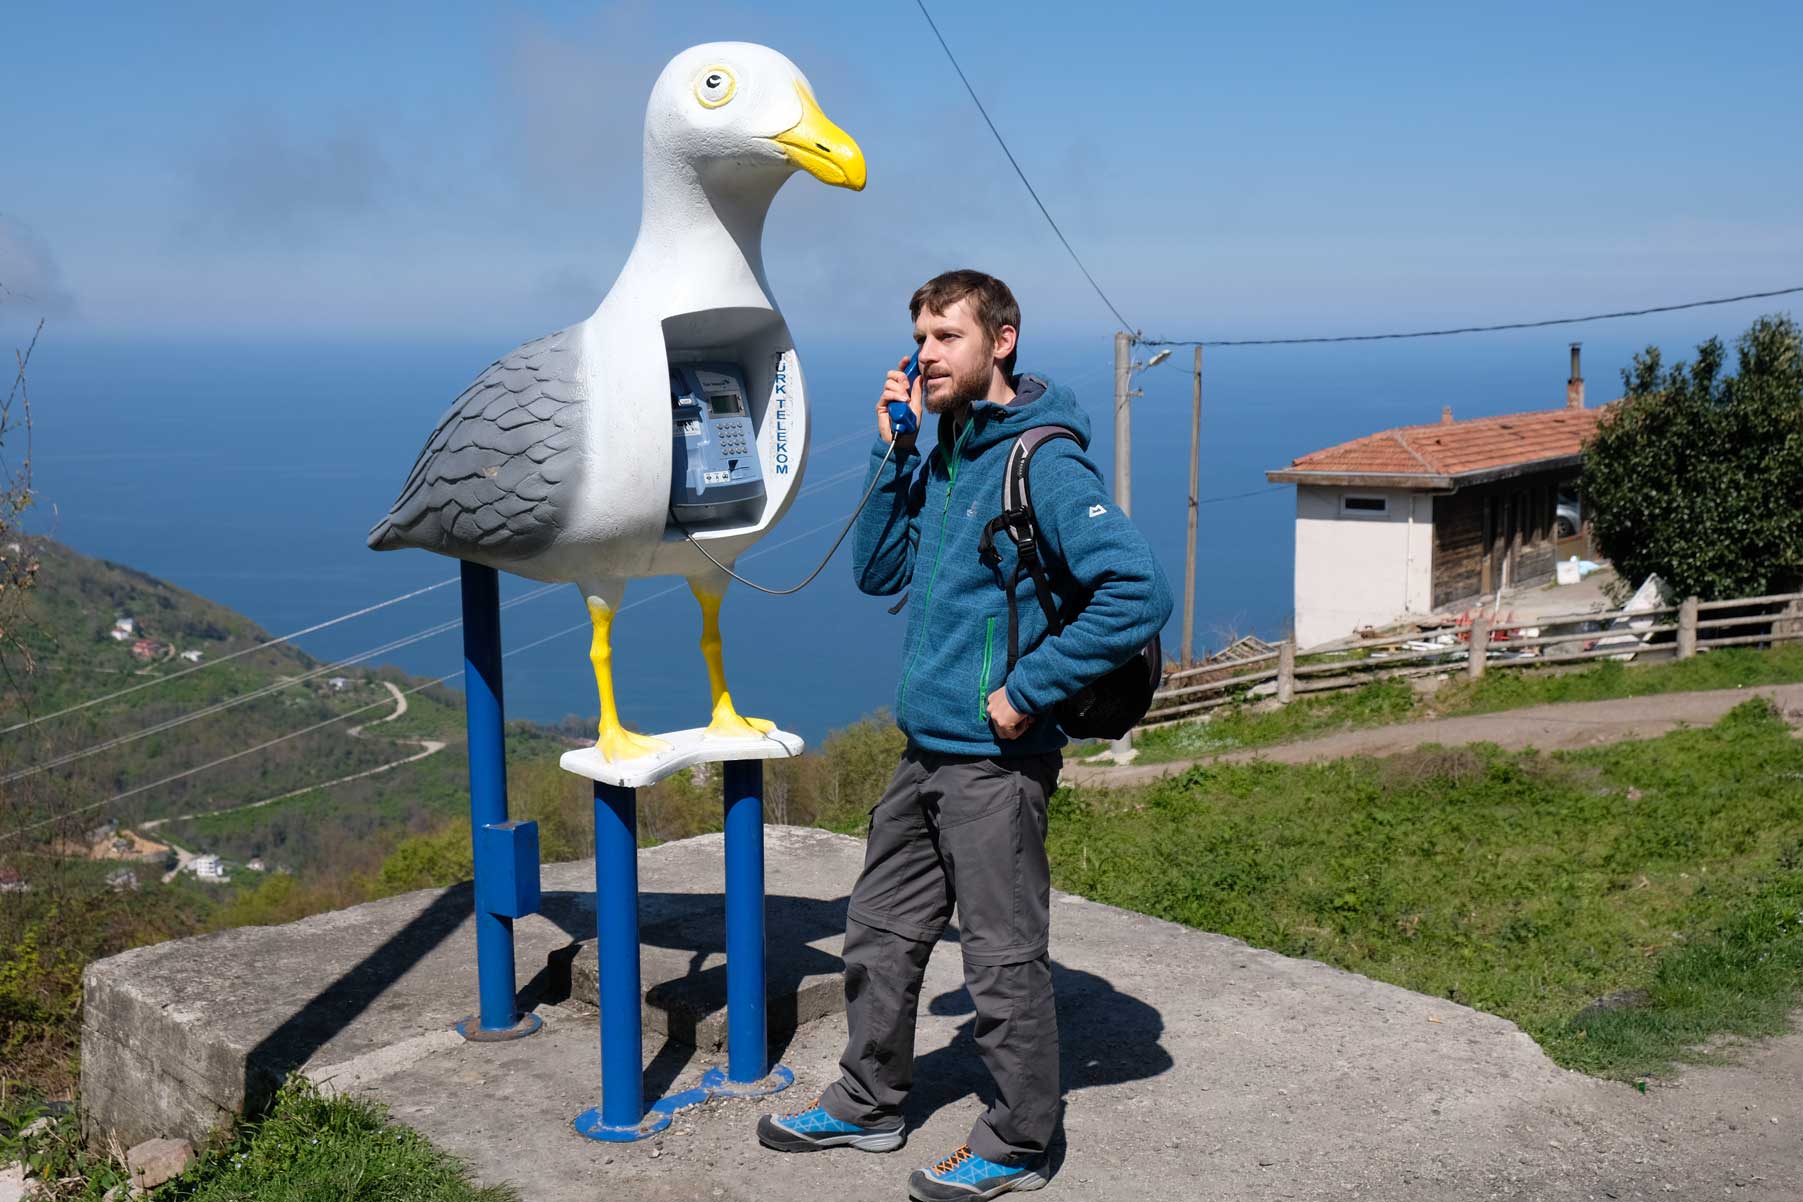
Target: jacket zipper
x=926 y=605
x=983 y=687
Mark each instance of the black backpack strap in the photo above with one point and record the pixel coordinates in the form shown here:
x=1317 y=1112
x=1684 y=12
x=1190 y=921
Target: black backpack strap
x=1018 y=522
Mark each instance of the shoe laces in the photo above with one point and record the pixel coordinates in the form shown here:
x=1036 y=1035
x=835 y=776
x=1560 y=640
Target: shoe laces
x=951 y=1163
x=814 y=1105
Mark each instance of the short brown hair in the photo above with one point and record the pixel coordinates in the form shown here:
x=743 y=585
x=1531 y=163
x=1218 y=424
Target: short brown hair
x=994 y=303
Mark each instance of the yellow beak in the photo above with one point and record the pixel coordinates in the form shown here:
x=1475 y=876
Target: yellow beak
x=822 y=149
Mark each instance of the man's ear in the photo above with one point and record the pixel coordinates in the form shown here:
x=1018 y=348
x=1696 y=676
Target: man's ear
x=1005 y=338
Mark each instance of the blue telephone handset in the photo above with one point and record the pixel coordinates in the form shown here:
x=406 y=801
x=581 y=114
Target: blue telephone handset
x=901 y=415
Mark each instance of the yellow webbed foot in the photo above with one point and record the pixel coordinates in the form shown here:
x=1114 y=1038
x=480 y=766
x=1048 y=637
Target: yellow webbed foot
x=616 y=743
x=727 y=723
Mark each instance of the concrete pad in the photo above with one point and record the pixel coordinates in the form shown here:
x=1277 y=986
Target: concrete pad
x=179 y=1034
x=1193 y=1065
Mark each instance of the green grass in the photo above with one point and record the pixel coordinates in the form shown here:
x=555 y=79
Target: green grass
x=1525 y=884
x=1382 y=703
x=309 y=1149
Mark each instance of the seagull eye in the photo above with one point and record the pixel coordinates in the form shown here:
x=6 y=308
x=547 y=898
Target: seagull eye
x=714 y=87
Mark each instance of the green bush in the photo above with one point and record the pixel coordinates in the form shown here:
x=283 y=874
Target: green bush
x=1694 y=474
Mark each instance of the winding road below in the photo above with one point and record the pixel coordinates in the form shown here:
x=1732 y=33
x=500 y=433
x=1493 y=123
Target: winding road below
x=427 y=747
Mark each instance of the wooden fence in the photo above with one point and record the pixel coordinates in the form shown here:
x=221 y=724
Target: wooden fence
x=1661 y=632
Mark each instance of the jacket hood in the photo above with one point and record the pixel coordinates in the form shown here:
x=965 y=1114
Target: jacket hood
x=1037 y=402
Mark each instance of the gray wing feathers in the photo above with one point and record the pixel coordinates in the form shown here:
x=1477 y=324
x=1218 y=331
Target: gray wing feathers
x=488 y=478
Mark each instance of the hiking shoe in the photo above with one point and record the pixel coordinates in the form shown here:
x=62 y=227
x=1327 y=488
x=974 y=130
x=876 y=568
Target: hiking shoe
x=964 y=1175
x=813 y=1130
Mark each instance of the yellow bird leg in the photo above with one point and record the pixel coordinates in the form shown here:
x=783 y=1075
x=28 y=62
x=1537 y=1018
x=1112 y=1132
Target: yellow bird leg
x=614 y=741
x=727 y=723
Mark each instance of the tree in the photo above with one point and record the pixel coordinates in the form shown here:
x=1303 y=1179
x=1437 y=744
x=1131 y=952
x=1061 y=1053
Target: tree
x=1698 y=476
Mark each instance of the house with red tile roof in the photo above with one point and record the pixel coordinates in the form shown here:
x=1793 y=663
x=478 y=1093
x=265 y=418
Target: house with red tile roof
x=1421 y=518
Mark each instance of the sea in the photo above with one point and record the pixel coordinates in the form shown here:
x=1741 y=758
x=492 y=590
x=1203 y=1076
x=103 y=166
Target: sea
x=251 y=471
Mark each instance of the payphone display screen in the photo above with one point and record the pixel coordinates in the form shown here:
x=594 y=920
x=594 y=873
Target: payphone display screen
x=725 y=404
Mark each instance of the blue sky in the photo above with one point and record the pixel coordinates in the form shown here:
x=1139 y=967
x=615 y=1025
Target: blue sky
x=471 y=170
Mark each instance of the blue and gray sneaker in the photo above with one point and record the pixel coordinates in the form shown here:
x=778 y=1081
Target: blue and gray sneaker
x=964 y=1175
x=813 y=1130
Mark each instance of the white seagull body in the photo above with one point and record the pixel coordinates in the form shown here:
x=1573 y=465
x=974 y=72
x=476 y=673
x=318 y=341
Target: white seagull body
x=556 y=463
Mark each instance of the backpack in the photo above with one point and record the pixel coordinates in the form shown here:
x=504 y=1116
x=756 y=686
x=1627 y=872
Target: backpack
x=1106 y=708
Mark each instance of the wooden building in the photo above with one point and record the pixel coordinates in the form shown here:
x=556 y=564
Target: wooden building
x=1420 y=518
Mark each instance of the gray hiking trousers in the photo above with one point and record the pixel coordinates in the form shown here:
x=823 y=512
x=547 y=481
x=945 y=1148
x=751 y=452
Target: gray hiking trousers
x=969 y=832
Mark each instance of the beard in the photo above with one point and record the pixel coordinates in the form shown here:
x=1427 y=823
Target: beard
x=964 y=388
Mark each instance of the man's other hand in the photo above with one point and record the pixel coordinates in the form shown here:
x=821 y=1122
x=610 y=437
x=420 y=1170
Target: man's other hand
x=1009 y=722
x=895 y=388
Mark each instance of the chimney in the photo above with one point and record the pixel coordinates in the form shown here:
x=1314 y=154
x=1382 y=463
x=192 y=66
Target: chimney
x=1574 y=387
x=1446 y=415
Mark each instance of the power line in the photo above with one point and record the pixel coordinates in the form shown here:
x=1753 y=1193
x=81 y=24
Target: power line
x=1235 y=496
x=1511 y=325
x=408 y=640
x=233 y=700
x=356 y=613
x=1043 y=211
x=306 y=730
x=238 y=699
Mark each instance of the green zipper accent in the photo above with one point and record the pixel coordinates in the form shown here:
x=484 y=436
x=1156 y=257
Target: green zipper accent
x=951 y=480
x=983 y=689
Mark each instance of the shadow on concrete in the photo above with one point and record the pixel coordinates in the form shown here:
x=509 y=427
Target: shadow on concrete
x=695 y=925
x=1105 y=1037
x=336 y=1006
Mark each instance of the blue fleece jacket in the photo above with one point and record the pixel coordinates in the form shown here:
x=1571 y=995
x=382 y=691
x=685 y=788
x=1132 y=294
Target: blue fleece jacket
x=920 y=532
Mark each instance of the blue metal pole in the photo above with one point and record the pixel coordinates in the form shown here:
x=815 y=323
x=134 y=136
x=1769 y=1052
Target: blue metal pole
x=747 y=1033
x=488 y=781
x=617 y=953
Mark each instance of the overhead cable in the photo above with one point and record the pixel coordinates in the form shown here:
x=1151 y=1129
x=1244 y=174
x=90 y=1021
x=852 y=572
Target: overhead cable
x=306 y=730
x=1509 y=325
x=1000 y=141
x=361 y=656
x=251 y=695
x=238 y=699
x=212 y=663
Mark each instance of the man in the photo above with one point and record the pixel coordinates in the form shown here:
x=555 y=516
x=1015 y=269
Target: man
x=964 y=819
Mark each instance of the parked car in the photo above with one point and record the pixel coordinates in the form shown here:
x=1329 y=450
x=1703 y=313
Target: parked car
x=1568 y=515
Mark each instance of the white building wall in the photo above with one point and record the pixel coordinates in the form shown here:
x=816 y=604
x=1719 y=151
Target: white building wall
x=1359 y=568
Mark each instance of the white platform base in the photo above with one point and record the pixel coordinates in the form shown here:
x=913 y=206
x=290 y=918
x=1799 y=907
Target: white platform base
x=687 y=748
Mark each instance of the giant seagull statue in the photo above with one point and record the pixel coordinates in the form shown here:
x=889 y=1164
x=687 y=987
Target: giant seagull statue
x=676 y=414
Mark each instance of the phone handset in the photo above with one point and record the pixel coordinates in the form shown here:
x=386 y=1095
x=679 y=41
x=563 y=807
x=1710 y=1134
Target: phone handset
x=901 y=414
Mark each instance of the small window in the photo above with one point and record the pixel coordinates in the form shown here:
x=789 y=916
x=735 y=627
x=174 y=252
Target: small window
x=1365 y=506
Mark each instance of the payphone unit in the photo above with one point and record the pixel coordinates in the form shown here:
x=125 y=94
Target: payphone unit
x=714 y=467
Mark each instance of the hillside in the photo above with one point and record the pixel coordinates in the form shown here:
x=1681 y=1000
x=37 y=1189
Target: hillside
x=149 y=754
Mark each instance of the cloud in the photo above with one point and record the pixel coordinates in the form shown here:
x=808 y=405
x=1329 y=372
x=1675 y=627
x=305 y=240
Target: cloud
x=260 y=176
x=29 y=275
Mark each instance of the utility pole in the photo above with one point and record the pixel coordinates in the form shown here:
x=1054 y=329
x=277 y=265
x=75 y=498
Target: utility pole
x=1123 y=423
x=1189 y=559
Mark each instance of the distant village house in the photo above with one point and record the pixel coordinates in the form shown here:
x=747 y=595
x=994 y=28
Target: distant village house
x=208 y=868
x=192 y=655
x=146 y=648
x=1417 y=519
x=123 y=628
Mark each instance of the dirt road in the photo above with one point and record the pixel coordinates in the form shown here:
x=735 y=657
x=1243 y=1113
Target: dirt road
x=426 y=747
x=1547 y=727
